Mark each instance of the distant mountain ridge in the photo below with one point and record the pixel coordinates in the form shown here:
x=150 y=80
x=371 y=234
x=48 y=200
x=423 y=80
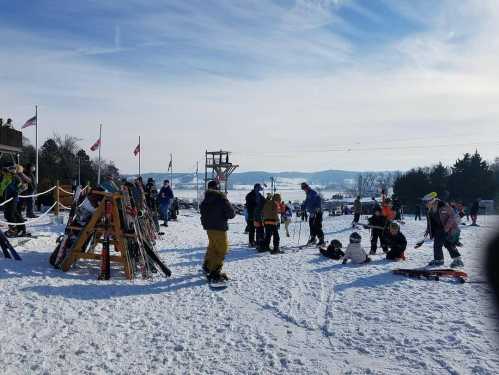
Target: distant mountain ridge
x=328 y=178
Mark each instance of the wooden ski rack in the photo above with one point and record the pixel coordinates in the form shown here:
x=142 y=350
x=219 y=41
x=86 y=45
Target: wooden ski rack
x=93 y=232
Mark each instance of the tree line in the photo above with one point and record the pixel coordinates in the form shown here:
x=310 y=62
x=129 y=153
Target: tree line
x=470 y=178
x=58 y=160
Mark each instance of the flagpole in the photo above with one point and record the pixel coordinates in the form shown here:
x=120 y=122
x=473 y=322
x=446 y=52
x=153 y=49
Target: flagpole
x=36 y=142
x=100 y=146
x=140 y=151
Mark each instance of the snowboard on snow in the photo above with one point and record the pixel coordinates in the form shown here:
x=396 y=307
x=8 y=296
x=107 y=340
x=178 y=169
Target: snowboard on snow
x=433 y=274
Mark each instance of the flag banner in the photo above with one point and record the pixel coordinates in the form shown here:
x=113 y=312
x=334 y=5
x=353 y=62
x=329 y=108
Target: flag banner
x=96 y=145
x=137 y=150
x=30 y=122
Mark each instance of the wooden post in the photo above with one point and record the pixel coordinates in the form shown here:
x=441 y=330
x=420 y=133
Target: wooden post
x=57 y=198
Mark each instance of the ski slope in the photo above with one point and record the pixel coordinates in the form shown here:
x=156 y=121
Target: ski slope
x=295 y=313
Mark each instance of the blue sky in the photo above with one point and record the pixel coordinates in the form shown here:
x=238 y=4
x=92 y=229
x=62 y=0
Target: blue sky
x=285 y=84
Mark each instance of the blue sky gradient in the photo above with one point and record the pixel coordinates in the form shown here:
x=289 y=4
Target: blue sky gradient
x=300 y=74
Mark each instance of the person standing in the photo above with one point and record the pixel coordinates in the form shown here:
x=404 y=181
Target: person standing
x=287 y=216
x=313 y=205
x=443 y=229
x=357 y=211
x=31 y=189
x=271 y=221
x=378 y=224
x=216 y=210
x=12 y=210
x=254 y=205
x=165 y=200
x=417 y=215
x=474 y=209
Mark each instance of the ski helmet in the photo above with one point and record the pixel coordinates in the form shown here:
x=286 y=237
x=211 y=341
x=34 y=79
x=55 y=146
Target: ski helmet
x=355 y=238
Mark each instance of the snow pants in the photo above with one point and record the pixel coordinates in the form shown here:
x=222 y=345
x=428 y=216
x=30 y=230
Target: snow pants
x=375 y=235
x=164 y=210
x=13 y=215
x=260 y=234
x=272 y=232
x=218 y=246
x=441 y=240
x=315 y=224
x=356 y=217
x=251 y=232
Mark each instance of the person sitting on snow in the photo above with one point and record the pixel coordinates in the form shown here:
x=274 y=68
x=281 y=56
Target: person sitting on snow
x=355 y=252
x=333 y=251
x=396 y=242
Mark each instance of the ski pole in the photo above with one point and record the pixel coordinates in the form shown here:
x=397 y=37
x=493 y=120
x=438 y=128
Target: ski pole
x=299 y=234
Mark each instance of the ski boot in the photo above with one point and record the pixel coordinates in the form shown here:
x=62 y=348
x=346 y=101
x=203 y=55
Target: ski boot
x=436 y=263
x=321 y=243
x=311 y=241
x=457 y=262
x=217 y=277
x=276 y=250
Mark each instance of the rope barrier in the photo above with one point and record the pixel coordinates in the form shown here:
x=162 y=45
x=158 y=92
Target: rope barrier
x=65 y=191
x=7 y=201
x=63 y=206
x=38 y=194
x=30 y=221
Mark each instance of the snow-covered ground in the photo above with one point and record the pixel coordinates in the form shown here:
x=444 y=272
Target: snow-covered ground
x=295 y=313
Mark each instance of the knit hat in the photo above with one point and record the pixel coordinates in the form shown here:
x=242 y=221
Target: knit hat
x=213 y=185
x=355 y=238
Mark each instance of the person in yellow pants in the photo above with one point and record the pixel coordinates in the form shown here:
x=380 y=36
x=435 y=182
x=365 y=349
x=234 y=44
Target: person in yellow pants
x=216 y=210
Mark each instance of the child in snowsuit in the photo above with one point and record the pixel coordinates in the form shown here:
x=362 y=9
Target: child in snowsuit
x=271 y=221
x=333 y=251
x=396 y=242
x=286 y=216
x=355 y=252
x=379 y=224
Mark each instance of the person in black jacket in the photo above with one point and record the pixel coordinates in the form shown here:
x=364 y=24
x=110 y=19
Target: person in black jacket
x=216 y=210
x=254 y=206
x=379 y=224
x=396 y=242
x=28 y=202
x=475 y=207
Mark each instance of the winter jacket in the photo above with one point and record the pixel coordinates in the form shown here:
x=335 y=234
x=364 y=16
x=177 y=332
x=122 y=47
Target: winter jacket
x=216 y=210
x=397 y=244
x=388 y=212
x=357 y=206
x=442 y=220
x=254 y=204
x=270 y=212
x=313 y=202
x=287 y=214
x=356 y=253
x=165 y=195
x=332 y=253
x=378 y=221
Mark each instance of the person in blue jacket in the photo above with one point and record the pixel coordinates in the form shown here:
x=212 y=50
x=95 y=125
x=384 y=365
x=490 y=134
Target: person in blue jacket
x=165 y=199
x=313 y=205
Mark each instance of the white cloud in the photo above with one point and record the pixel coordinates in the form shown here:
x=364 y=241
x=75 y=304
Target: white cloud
x=437 y=86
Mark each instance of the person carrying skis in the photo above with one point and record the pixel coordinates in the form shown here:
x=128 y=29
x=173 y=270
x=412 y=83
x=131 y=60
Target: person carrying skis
x=216 y=210
x=355 y=252
x=378 y=224
x=357 y=211
x=474 y=209
x=165 y=199
x=443 y=229
x=396 y=242
x=286 y=216
x=271 y=221
x=313 y=205
x=254 y=205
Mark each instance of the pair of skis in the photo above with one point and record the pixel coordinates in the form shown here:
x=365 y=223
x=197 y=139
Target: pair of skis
x=433 y=274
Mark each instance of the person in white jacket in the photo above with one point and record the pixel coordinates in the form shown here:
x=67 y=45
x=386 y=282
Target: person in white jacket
x=355 y=252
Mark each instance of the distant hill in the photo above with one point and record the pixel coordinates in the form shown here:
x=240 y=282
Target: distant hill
x=291 y=180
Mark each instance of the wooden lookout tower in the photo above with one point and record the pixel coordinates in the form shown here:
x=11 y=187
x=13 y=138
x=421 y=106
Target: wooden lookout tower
x=221 y=168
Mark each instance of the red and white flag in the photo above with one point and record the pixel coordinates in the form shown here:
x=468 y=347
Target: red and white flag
x=30 y=122
x=96 y=145
x=137 y=150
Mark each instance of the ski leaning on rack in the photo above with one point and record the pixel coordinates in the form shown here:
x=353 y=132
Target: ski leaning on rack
x=7 y=249
x=65 y=241
x=433 y=274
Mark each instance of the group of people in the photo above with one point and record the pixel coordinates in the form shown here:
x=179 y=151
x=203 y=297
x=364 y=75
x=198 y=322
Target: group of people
x=17 y=185
x=264 y=215
x=7 y=124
